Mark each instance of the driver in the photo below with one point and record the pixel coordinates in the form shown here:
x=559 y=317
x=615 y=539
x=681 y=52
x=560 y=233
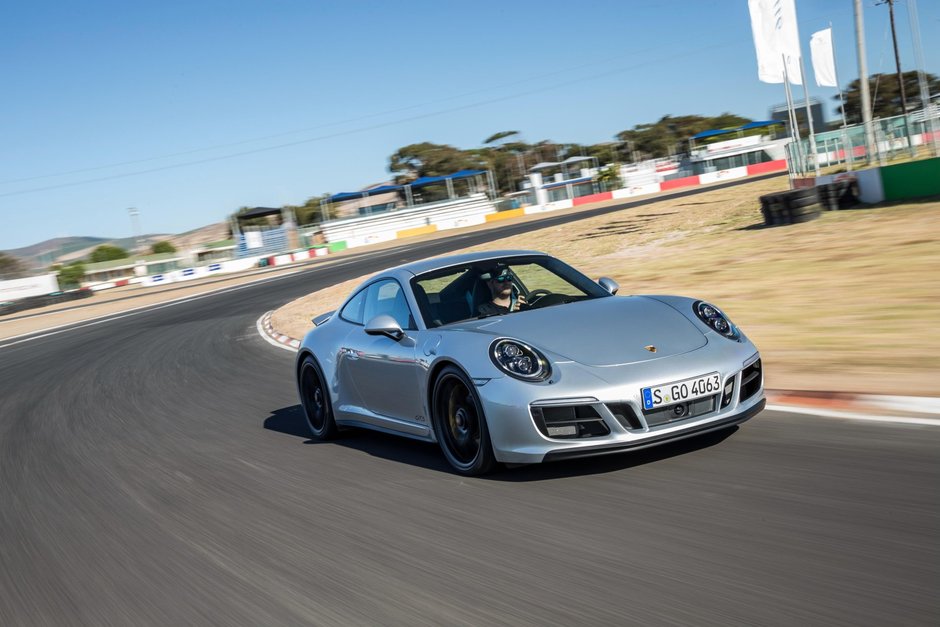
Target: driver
x=499 y=281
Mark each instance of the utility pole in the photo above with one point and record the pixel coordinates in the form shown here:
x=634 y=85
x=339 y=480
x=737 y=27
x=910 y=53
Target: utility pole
x=870 y=146
x=135 y=225
x=897 y=64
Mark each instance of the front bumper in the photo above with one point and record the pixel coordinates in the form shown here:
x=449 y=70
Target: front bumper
x=699 y=429
x=519 y=435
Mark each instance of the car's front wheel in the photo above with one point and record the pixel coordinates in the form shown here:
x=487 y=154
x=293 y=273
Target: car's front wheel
x=314 y=397
x=460 y=425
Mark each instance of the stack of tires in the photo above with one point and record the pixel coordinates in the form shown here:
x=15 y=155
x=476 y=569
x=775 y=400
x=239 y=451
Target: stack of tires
x=838 y=195
x=791 y=207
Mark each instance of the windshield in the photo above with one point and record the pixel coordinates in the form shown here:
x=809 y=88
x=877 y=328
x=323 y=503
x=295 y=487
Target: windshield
x=499 y=287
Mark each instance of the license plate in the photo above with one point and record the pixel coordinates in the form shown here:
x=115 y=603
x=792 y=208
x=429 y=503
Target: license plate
x=685 y=390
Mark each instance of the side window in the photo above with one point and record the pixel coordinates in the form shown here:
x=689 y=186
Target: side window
x=388 y=297
x=352 y=312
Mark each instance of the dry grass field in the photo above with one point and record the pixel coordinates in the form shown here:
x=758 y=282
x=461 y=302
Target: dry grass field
x=848 y=302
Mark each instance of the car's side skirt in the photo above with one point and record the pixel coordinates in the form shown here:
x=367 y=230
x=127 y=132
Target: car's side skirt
x=363 y=418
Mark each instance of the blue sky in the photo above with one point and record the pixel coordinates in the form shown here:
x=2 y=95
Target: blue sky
x=189 y=110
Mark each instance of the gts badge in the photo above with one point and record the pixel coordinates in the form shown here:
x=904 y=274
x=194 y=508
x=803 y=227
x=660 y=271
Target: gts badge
x=419 y=419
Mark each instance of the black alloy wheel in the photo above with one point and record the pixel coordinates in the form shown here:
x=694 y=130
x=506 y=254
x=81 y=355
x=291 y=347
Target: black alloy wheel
x=460 y=425
x=315 y=400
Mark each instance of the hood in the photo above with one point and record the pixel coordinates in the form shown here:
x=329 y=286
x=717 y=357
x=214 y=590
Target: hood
x=609 y=331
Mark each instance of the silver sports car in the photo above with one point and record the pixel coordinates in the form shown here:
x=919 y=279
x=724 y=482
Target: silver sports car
x=516 y=357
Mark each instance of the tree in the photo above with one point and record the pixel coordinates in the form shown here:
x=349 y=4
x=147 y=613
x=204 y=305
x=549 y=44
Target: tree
x=71 y=275
x=495 y=137
x=426 y=159
x=311 y=212
x=885 y=95
x=11 y=267
x=669 y=134
x=610 y=177
x=162 y=247
x=106 y=252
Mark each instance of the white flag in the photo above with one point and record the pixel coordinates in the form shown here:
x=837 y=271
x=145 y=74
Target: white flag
x=776 y=37
x=824 y=64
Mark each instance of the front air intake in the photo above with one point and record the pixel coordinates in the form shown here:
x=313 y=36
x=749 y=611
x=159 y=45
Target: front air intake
x=751 y=380
x=569 y=422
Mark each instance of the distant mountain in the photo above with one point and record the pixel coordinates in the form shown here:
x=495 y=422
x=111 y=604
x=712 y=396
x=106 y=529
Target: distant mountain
x=67 y=249
x=45 y=253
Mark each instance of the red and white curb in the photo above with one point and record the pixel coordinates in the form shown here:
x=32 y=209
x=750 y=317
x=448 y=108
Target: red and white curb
x=271 y=336
x=911 y=410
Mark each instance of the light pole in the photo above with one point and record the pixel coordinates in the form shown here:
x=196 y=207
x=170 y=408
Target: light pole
x=135 y=226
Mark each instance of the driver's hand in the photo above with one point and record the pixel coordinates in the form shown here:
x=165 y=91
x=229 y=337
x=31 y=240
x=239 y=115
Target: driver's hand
x=520 y=302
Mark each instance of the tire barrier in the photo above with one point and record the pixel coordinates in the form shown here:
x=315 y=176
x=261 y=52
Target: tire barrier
x=790 y=207
x=838 y=195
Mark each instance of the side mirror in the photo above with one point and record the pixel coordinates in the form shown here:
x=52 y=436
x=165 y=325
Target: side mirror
x=608 y=284
x=384 y=324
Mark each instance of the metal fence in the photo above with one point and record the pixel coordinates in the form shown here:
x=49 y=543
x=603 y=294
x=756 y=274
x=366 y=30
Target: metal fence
x=894 y=137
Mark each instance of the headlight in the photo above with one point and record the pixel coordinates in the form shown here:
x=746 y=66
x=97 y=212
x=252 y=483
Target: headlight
x=519 y=360
x=714 y=318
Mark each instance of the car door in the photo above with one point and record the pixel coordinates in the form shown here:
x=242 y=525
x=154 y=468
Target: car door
x=384 y=372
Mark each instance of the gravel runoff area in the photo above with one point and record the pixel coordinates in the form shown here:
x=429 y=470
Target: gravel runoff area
x=848 y=302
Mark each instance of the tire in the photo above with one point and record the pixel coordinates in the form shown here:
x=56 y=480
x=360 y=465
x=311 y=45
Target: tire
x=797 y=198
x=829 y=196
x=848 y=195
x=800 y=193
x=805 y=217
x=459 y=424
x=767 y=207
x=315 y=400
x=773 y=215
x=799 y=203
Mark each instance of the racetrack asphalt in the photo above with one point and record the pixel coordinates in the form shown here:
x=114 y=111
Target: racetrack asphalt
x=154 y=469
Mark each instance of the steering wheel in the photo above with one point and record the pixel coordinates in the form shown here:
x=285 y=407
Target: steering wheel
x=535 y=295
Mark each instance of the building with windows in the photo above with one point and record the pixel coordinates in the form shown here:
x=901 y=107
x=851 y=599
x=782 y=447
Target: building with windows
x=120 y=270
x=724 y=149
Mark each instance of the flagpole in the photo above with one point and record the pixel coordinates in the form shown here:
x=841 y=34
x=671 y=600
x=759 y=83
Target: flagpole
x=794 y=123
x=846 y=144
x=809 y=116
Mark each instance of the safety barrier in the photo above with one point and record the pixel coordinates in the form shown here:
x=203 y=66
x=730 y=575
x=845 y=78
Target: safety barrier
x=373 y=229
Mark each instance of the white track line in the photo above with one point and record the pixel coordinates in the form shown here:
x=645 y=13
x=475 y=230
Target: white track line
x=845 y=415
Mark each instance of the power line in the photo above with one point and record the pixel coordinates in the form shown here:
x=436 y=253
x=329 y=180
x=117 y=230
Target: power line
x=529 y=79
x=552 y=87
x=301 y=130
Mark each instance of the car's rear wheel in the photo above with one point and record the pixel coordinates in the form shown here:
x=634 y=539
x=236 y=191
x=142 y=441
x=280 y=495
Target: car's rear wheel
x=460 y=425
x=315 y=399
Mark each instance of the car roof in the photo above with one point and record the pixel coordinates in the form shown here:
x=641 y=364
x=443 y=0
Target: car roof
x=428 y=265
